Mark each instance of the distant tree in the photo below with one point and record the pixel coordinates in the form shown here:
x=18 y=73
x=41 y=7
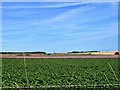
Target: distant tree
x=38 y=52
x=75 y=52
x=93 y=51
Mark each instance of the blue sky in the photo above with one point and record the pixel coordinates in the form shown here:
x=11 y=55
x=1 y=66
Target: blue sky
x=59 y=26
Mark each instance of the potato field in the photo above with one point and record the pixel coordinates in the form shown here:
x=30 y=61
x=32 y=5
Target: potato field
x=64 y=72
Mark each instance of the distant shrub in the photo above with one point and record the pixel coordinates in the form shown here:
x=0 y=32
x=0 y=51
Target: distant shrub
x=89 y=53
x=27 y=54
x=116 y=53
x=19 y=54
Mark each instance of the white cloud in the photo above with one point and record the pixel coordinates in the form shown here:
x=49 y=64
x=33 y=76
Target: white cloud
x=64 y=16
x=99 y=33
x=60 y=0
x=44 y=6
x=91 y=35
x=62 y=20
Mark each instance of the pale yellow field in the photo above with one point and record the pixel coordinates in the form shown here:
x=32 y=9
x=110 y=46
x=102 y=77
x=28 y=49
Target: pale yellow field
x=103 y=53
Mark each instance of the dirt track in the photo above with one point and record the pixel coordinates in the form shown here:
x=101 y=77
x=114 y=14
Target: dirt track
x=89 y=56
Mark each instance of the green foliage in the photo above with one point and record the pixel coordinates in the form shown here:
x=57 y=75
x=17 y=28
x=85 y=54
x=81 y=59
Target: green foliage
x=49 y=72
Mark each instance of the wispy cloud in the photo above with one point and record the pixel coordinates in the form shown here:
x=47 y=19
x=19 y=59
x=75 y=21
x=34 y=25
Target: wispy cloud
x=57 y=5
x=88 y=16
x=63 y=21
x=60 y=1
x=60 y=24
x=69 y=14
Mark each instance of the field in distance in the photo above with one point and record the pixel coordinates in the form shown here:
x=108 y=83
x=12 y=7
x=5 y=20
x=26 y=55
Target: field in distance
x=73 y=53
x=54 y=72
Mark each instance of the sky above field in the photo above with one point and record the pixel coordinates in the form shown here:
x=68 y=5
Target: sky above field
x=59 y=26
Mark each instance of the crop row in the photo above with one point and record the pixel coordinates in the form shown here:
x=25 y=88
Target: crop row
x=49 y=72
